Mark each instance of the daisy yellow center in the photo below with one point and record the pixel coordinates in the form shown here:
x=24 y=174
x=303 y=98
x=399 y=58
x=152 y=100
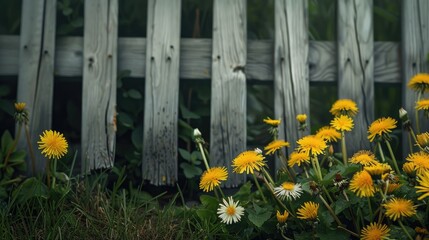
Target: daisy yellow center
x=230 y=210
x=288 y=186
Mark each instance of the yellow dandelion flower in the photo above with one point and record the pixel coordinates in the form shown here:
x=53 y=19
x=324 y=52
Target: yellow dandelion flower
x=301 y=118
x=212 y=177
x=380 y=127
x=53 y=144
x=297 y=158
x=342 y=123
x=275 y=145
x=422 y=105
x=311 y=144
x=329 y=134
x=20 y=106
x=420 y=82
x=248 y=161
x=409 y=168
x=281 y=218
x=344 y=107
x=423 y=187
x=272 y=122
x=399 y=207
x=423 y=139
x=392 y=187
x=420 y=161
x=375 y=231
x=378 y=169
x=362 y=184
x=364 y=157
x=308 y=211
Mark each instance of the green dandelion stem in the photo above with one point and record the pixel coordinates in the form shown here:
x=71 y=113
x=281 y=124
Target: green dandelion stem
x=417 y=113
x=404 y=229
x=349 y=231
x=371 y=214
x=220 y=191
x=54 y=170
x=15 y=142
x=48 y=172
x=331 y=211
x=410 y=142
x=268 y=176
x=381 y=152
x=343 y=147
x=327 y=194
x=203 y=155
x=395 y=164
x=317 y=167
x=269 y=186
x=306 y=171
x=30 y=147
x=259 y=188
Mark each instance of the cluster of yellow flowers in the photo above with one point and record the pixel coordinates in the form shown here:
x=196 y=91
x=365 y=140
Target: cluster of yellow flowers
x=375 y=177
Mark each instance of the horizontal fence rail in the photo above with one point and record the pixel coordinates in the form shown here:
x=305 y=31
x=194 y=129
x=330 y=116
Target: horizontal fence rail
x=291 y=61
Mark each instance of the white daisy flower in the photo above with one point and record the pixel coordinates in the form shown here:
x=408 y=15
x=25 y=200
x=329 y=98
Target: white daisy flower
x=288 y=190
x=229 y=211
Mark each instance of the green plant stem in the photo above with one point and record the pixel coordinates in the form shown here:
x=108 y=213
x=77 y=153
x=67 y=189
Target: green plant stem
x=268 y=176
x=48 y=172
x=331 y=211
x=395 y=164
x=282 y=157
x=316 y=167
x=54 y=173
x=349 y=231
x=200 y=146
x=404 y=229
x=221 y=192
x=15 y=142
x=381 y=152
x=30 y=148
x=417 y=113
x=269 y=186
x=259 y=187
x=410 y=142
x=371 y=214
x=327 y=194
x=343 y=147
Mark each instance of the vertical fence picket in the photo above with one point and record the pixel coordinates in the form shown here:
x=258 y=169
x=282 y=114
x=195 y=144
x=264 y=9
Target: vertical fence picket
x=36 y=68
x=99 y=84
x=161 y=92
x=356 y=65
x=291 y=73
x=228 y=101
x=415 y=49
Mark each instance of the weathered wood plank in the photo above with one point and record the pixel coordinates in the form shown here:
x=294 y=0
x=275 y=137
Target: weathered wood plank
x=291 y=72
x=161 y=92
x=99 y=84
x=228 y=96
x=195 y=59
x=36 y=70
x=415 y=47
x=356 y=65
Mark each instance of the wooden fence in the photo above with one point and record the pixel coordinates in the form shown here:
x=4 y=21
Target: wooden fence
x=354 y=61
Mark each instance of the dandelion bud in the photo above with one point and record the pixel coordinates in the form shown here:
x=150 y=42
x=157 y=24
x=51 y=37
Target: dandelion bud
x=409 y=168
x=197 y=132
x=403 y=114
x=281 y=218
x=21 y=114
x=301 y=118
x=423 y=140
x=257 y=150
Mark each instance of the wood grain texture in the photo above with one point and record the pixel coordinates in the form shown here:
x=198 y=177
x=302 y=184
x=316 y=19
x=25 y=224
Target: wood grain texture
x=195 y=59
x=99 y=84
x=228 y=96
x=291 y=72
x=415 y=47
x=356 y=66
x=162 y=92
x=36 y=70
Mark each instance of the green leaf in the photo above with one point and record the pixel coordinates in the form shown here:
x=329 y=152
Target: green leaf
x=62 y=176
x=209 y=202
x=6 y=142
x=17 y=157
x=187 y=114
x=67 y=11
x=340 y=205
x=328 y=234
x=125 y=120
x=185 y=154
x=190 y=171
x=30 y=188
x=206 y=215
x=244 y=192
x=258 y=216
x=303 y=236
x=137 y=137
x=134 y=94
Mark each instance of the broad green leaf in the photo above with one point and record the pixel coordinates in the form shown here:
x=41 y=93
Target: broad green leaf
x=125 y=120
x=137 y=137
x=185 y=154
x=190 y=171
x=30 y=188
x=206 y=215
x=62 y=176
x=209 y=202
x=134 y=94
x=258 y=215
x=188 y=114
x=17 y=157
x=6 y=142
x=303 y=236
x=244 y=192
x=325 y=233
x=340 y=204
